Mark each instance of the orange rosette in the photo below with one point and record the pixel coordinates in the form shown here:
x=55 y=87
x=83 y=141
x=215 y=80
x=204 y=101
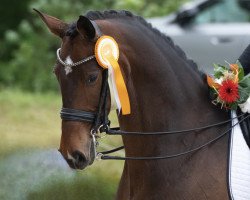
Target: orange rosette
x=107 y=55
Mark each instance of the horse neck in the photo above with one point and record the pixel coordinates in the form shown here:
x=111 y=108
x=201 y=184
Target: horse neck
x=163 y=87
x=166 y=93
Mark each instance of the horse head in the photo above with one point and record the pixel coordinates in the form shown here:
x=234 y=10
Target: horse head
x=80 y=87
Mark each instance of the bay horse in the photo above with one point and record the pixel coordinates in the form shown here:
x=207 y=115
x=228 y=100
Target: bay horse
x=166 y=92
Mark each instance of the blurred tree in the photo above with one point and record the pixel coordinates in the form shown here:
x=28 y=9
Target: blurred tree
x=12 y=12
x=29 y=64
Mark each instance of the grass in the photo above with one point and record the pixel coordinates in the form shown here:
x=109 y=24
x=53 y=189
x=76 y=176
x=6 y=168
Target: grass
x=28 y=120
x=77 y=189
x=29 y=162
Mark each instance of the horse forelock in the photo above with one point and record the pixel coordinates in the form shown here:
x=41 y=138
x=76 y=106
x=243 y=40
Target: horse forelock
x=71 y=31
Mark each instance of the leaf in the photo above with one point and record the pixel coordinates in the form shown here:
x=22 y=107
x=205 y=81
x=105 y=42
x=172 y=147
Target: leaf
x=241 y=70
x=219 y=70
x=245 y=82
x=244 y=94
x=244 y=89
x=234 y=106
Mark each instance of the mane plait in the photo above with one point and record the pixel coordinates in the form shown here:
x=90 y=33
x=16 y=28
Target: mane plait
x=110 y=14
x=107 y=14
x=95 y=15
x=72 y=32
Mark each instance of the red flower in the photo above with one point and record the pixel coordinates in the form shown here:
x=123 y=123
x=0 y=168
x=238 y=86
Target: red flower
x=228 y=91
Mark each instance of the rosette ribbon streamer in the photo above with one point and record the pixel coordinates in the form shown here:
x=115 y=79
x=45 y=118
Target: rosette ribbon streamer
x=107 y=54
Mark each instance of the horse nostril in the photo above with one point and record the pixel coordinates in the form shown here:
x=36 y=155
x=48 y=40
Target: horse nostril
x=80 y=159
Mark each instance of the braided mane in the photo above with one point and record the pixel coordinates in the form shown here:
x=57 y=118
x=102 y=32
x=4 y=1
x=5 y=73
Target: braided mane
x=110 y=14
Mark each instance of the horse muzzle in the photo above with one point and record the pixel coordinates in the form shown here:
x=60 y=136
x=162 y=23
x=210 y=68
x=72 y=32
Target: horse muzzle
x=80 y=160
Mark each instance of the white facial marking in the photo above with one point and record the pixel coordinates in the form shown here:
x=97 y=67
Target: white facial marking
x=70 y=157
x=68 y=61
x=68 y=69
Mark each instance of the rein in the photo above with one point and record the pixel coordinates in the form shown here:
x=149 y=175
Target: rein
x=101 y=123
x=119 y=132
x=102 y=155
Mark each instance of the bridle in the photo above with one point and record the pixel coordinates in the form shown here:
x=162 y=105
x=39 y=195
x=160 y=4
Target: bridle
x=101 y=124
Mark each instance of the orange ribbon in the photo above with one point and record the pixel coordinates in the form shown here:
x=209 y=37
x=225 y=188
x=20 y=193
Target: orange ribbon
x=107 y=53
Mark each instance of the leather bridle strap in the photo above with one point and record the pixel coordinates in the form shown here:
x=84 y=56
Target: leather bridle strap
x=116 y=131
x=69 y=114
x=105 y=157
x=102 y=115
x=97 y=119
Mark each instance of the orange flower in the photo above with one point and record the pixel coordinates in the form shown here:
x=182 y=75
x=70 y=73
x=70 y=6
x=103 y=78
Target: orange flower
x=212 y=83
x=235 y=69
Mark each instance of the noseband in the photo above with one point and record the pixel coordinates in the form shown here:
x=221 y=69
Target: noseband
x=69 y=114
x=99 y=119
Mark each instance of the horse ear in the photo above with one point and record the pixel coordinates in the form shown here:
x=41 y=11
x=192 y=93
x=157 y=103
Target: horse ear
x=55 y=25
x=86 y=28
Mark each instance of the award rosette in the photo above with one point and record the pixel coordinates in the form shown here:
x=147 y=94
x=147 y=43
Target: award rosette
x=107 y=55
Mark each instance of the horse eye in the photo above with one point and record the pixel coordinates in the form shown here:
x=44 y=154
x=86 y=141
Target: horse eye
x=92 y=78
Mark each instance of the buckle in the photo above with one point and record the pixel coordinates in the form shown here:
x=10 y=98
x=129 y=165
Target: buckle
x=99 y=156
x=100 y=132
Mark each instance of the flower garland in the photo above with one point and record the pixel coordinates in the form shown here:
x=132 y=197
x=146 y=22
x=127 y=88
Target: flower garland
x=230 y=87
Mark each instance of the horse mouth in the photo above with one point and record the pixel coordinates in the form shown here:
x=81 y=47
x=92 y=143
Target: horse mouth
x=75 y=165
x=78 y=160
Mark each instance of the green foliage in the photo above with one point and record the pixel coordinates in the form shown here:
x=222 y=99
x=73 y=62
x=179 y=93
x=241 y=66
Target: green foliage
x=28 y=51
x=219 y=70
x=244 y=89
x=95 y=186
x=32 y=63
x=12 y=12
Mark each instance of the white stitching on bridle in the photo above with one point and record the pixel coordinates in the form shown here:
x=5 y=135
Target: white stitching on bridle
x=68 y=66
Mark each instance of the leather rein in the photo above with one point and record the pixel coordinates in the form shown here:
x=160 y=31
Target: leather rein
x=101 y=124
